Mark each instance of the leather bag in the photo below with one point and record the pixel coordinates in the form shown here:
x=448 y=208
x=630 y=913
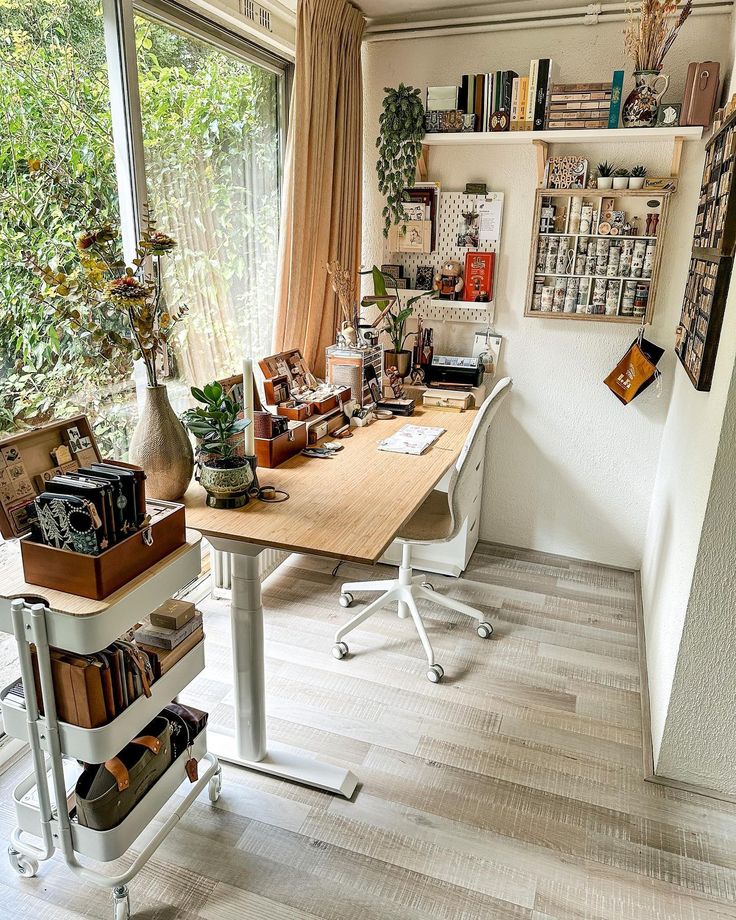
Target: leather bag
x=107 y=793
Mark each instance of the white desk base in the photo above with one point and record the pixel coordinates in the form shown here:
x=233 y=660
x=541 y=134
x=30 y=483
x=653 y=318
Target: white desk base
x=249 y=747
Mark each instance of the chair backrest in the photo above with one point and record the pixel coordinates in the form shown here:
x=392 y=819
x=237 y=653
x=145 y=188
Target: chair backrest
x=462 y=491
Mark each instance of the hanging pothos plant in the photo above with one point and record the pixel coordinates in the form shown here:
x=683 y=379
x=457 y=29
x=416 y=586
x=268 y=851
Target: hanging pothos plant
x=399 y=147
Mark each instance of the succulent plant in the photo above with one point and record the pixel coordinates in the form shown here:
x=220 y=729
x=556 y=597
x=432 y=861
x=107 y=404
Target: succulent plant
x=606 y=169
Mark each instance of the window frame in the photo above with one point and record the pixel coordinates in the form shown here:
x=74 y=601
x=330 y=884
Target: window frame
x=130 y=163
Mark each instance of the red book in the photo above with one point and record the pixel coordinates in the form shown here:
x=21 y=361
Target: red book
x=478 y=285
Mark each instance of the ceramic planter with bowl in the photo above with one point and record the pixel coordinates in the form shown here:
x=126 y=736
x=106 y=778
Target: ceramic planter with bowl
x=226 y=482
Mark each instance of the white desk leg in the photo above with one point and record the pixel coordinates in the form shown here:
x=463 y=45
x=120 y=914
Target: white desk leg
x=249 y=747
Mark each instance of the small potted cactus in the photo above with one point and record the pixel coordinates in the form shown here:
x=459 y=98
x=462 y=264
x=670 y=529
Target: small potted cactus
x=638 y=174
x=621 y=179
x=605 y=173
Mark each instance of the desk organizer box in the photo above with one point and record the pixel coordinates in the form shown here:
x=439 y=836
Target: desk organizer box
x=25 y=465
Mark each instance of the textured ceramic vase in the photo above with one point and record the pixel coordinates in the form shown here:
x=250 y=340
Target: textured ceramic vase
x=161 y=446
x=640 y=108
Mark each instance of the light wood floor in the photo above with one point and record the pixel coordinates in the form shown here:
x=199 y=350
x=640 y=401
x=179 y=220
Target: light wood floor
x=513 y=790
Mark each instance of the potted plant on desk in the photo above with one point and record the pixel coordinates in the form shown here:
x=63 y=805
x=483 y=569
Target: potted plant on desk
x=225 y=476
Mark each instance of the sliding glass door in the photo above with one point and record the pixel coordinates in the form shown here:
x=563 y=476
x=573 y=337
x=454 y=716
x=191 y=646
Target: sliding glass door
x=210 y=121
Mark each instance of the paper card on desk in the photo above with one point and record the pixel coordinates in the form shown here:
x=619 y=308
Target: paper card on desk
x=411 y=439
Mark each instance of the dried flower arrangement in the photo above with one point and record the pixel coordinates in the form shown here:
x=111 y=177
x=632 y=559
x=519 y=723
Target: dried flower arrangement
x=648 y=35
x=106 y=284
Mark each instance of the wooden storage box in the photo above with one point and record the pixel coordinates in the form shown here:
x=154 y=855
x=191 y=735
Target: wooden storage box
x=271 y=452
x=62 y=569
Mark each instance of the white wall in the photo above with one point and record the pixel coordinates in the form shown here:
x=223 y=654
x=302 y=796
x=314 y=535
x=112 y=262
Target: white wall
x=570 y=470
x=682 y=486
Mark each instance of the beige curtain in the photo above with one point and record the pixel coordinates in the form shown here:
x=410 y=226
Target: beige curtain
x=322 y=185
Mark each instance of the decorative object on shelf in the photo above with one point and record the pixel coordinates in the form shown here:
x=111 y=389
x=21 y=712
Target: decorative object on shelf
x=647 y=39
x=637 y=176
x=711 y=263
x=604 y=174
x=478 y=286
x=424 y=279
x=225 y=476
x=701 y=94
x=620 y=179
x=343 y=284
x=449 y=281
x=566 y=172
x=399 y=148
x=668 y=115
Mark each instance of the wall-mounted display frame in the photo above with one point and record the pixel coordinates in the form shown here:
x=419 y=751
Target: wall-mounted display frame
x=596 y=254
x=711 y=263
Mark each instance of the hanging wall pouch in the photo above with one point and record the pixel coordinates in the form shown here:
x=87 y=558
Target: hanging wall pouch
x=635 y=371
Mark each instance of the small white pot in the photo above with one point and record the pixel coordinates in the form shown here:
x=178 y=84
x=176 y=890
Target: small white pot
x=604 y=181
x=620 y=181
x=636 y=181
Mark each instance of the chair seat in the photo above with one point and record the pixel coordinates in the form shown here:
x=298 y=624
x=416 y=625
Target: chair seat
x=432 y=522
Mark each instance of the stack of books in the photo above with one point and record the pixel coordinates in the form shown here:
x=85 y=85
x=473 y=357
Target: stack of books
x=169 y=633
x=585 y=105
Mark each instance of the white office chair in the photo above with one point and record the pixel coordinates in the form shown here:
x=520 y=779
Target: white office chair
x=438 y=519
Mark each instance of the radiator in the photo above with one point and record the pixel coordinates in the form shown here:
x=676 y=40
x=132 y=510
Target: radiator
x=268 y=561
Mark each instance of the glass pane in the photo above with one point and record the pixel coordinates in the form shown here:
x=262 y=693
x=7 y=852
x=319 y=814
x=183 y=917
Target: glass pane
x=211 y=135
x=57 y=179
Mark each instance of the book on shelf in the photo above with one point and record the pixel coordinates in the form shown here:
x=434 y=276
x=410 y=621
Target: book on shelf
x=531 y=95
x=514 y=112
x=544 y=80
x=617 y=89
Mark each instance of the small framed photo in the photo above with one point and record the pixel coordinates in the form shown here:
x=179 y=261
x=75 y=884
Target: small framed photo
x=668 y=115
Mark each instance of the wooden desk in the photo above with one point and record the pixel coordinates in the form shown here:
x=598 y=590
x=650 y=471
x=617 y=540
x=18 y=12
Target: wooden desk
x=348 y=507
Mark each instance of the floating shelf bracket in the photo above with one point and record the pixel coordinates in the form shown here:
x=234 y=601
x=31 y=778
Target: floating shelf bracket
x=542 y=148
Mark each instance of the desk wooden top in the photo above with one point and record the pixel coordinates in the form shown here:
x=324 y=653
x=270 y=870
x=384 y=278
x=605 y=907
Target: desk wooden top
x=349 y=507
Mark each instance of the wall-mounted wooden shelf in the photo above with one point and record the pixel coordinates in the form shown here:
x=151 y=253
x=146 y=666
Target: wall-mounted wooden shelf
x=569 y=269
x=541 y=139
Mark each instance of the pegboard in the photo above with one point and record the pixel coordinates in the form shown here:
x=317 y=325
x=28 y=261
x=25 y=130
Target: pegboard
x=451 y=207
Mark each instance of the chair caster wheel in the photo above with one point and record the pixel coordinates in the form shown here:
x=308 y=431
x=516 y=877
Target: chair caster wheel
x=25 y=866
x=435 y=673
x=214 y=787
x=485 y=630
x=428 y=585
x=340 y=650
x=121 y=903
x=346 y=599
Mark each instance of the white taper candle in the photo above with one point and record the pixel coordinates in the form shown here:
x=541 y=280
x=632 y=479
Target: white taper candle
x=250 y=447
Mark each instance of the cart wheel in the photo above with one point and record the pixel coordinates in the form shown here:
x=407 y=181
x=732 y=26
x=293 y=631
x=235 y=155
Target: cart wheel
x=215 y=786
x=121 y=903
x=25 y=866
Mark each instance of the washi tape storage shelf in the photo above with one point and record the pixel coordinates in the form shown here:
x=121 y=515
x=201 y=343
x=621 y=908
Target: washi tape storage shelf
x=596 y=254
x=711 y=263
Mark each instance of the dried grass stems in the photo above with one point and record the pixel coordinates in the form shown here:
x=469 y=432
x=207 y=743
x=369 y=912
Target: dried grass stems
x=343 y=284
x=649 y=32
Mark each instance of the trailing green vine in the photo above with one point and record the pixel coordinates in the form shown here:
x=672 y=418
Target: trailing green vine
x=399 y=147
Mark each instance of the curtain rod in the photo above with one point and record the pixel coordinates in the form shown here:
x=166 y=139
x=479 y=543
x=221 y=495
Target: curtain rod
x=593 y=14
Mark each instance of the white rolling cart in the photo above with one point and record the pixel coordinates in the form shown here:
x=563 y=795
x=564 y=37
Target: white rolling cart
x=44 y=618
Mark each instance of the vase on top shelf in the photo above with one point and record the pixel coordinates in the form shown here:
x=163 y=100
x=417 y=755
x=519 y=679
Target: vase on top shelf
x=640 y=108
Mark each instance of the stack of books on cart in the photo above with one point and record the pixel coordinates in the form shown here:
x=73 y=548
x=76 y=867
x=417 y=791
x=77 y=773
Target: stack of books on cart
x=169 y=633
